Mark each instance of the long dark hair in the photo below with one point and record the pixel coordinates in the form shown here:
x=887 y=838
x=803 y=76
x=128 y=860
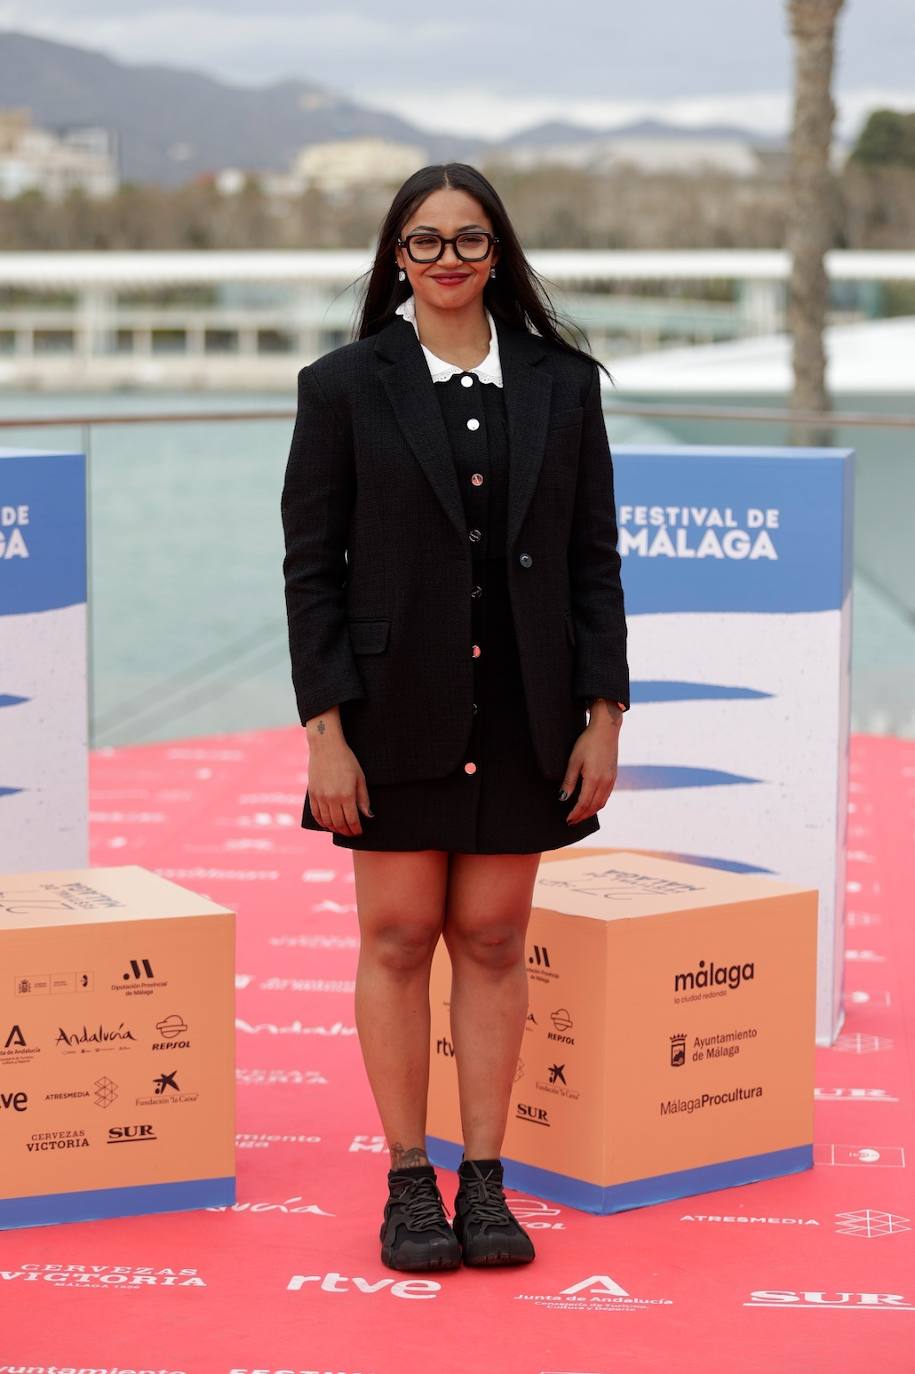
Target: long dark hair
x=516 y=295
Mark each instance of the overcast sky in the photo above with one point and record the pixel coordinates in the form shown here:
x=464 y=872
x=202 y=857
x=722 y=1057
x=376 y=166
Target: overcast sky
x=490 y=68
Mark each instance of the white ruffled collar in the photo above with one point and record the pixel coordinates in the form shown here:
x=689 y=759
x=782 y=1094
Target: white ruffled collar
x=489 y=370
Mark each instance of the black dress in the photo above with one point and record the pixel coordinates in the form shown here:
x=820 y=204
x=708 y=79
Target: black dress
x=497 y=801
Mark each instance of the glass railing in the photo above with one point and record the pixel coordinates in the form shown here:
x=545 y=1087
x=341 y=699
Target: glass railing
x=187 y=628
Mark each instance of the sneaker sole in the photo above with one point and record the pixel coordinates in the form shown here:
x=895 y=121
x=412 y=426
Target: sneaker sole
x=486 y=1260
x=499 y=1257
x=432 y=1262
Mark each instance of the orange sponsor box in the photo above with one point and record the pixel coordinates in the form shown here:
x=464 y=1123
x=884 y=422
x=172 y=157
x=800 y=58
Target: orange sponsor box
x=117 y=1047
x=669 y=1047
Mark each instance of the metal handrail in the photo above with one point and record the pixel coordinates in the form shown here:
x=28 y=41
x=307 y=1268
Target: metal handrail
x=834 y=418
x=176 y=417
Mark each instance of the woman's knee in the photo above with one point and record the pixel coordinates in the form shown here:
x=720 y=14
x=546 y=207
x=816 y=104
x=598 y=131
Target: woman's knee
x=400 y=898
x=401 y=944
x=497 y=945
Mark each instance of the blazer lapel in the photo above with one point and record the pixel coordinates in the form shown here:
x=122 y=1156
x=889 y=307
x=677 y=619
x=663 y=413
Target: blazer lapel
x=526 y=389
x=405 y=376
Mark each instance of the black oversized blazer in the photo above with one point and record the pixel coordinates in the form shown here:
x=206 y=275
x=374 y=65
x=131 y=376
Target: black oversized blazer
x=378 y=564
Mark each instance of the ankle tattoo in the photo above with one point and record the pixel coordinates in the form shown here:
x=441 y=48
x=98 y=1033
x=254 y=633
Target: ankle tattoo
x=402 y=1158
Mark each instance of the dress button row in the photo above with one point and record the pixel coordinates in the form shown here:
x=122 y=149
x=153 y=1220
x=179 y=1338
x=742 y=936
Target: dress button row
x=470 y=767
x=467 y=380
x=473 y=424
x=477 y=479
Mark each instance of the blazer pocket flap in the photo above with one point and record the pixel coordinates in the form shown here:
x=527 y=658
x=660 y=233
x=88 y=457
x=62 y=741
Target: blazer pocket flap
x=571 y=415
x=369 y=636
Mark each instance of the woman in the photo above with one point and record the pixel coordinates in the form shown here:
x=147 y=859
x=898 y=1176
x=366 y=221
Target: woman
x=458 y=643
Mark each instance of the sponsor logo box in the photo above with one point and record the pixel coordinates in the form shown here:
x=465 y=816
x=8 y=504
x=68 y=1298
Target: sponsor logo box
x=738 y=570
x=672 y=1045
x=117 y=1046
x=44 y=784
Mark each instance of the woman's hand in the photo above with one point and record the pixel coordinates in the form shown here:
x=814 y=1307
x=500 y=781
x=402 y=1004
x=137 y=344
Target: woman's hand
x=337 y=789
x=595 y=755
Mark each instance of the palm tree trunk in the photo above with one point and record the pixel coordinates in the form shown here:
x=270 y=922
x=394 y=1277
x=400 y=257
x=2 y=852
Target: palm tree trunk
x=810 y=210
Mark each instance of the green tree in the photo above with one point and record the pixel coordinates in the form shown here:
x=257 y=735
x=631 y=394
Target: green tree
x=887 y=140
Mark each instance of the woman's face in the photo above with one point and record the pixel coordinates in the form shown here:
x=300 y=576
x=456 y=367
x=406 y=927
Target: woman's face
x=449 y=283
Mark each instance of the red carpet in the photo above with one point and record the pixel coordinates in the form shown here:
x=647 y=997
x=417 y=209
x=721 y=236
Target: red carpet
x=290 y=1280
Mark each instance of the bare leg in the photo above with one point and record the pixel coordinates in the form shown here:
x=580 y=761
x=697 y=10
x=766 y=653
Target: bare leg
x=400 y=899
x=488 y=906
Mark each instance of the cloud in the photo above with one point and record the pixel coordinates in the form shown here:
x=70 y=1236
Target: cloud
x=485 y=69
x=250 y=47
x=481 y=112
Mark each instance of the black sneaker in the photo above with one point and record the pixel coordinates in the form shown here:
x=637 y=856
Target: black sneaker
x=487 y=1229
x=415 y=1233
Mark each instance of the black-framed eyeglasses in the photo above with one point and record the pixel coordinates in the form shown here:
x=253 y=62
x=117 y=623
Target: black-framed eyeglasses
x=471 y=246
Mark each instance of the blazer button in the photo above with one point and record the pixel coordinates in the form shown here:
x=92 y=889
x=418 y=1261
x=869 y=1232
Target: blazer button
x=477 y=651
x=476 y=591
x=477 y=479
x=525 y=560
x=475 y=535
x=470 y=767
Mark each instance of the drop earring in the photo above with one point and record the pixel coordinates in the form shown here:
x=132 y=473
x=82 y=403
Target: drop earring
x=401 y=275
x=492 y=271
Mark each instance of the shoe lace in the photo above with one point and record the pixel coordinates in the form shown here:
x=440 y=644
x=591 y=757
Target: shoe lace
x=422 y=1203
x=487 y=1200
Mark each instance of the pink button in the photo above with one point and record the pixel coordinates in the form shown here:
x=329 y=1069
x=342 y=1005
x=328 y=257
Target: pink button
x=470 y=768
x=477 y=651
x=477 y=479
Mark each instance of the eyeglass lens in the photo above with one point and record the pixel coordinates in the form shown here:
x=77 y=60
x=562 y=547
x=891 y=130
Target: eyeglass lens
x=427 y=247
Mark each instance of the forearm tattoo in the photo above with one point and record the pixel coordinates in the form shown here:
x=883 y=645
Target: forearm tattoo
x=611 y=708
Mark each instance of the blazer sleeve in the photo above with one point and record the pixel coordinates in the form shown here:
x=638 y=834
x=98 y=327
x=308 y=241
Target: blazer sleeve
x=598 y=609
x=316 y=502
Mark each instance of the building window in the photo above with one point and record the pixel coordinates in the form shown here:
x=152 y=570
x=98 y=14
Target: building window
x=331 y=338
x=54 y=340
x=168 y=341
x=275 y=341
x=221 y=340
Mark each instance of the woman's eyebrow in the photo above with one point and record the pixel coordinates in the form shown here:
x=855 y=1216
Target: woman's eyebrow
x=436 y=230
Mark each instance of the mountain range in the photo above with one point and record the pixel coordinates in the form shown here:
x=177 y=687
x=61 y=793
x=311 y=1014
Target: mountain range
x=171 y=124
